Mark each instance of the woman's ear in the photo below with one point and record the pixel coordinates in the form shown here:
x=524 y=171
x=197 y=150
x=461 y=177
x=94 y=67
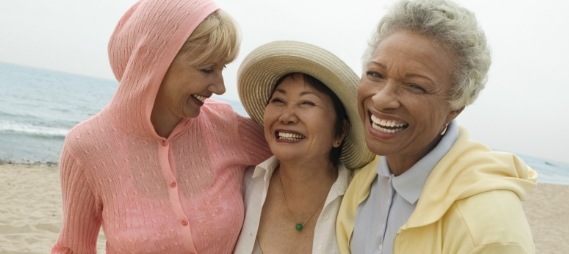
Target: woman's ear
x=453 y=114
x=343 y=135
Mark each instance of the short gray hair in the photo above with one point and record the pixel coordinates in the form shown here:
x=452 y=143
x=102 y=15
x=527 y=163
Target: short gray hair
x=456 y=28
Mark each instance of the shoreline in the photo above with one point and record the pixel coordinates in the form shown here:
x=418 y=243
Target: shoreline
x=30 y=214
x=29 y=163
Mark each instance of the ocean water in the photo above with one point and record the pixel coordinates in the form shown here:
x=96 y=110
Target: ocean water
x=38 y=107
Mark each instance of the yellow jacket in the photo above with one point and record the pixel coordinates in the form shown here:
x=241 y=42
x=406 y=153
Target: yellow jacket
x=470 y=204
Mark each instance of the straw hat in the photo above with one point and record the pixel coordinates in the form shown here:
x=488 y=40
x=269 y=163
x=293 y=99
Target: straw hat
x=261 y=69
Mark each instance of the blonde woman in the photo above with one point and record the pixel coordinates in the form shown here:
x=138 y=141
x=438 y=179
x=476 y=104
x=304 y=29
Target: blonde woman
x=161 y=167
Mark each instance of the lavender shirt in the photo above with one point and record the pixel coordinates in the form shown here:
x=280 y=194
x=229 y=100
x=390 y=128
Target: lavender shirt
x=392 y=200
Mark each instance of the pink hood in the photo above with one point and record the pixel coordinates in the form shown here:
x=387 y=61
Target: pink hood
x=141 y=49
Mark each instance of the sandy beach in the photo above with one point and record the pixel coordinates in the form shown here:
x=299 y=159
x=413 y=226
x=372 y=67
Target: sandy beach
x=30 y=211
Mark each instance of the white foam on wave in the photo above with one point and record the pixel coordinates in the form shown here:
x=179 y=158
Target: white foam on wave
x=33 y=130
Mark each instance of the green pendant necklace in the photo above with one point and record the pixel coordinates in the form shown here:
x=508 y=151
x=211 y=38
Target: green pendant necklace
x=299 y=226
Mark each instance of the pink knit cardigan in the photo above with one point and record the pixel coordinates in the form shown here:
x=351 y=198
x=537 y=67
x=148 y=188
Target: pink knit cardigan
x=150 y=194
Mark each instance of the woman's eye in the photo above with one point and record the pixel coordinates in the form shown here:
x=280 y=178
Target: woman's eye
x=277 y=101
x=207 y=70
x=374 y=75
x=416 y=88
x=307 y=103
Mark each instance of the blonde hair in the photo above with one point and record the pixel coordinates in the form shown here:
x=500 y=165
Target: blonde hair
x=216 y=37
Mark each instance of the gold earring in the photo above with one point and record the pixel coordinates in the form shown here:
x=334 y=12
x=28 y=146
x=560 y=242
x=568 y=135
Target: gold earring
x=444 y=130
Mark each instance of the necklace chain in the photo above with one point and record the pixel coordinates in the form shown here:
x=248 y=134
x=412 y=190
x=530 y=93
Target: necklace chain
x=298 y=226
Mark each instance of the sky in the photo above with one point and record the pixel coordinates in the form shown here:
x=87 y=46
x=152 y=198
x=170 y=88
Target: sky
x=523 y=109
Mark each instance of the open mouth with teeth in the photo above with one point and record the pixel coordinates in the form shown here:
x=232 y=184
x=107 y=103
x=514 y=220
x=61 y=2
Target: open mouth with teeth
x=387 y=126
x=199 y=97
x=288 y=136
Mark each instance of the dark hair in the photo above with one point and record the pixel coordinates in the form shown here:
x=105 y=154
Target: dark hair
x=341 y=114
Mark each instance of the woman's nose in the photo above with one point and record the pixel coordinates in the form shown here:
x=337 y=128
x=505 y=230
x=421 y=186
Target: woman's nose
x=387 y=97
x=288 y=115
x=218 y=86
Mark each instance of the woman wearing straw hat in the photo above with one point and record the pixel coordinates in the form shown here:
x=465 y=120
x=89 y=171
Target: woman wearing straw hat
x=160 y=168
x=305 y=98
x=431 y=189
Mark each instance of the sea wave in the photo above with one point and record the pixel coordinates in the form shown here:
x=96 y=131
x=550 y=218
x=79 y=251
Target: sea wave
x=32 y=130
x=548 y=171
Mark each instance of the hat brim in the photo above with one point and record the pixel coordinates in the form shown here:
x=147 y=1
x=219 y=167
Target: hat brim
x=261 y=69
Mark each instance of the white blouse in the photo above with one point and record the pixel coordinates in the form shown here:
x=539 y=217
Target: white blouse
x=256 y=183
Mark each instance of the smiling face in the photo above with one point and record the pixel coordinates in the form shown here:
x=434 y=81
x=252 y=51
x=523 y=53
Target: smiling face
x=299 y=122
x=403 y=97
x=184 y=90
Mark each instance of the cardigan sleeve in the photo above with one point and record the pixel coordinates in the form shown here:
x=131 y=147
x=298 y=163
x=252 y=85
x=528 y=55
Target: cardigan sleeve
x=253 y=140
x=502 y=248
x=81 y=214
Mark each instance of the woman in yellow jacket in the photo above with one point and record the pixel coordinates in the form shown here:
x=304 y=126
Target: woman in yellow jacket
x=431 y=189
